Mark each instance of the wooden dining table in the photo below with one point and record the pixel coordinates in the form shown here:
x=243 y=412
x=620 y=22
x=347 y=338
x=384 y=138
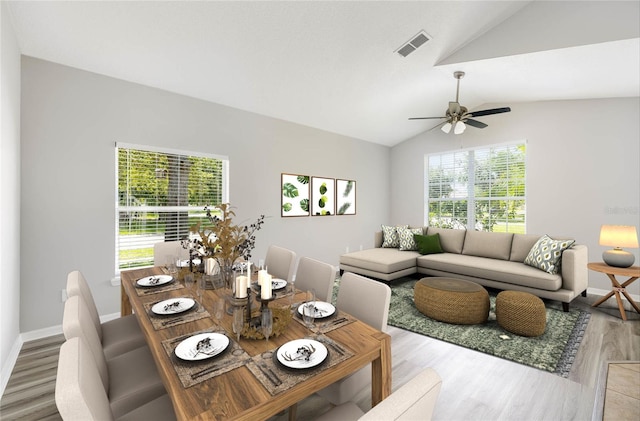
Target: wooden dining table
x=238 y=393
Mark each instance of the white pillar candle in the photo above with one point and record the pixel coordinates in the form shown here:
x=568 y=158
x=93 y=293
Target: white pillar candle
x=249 y=271
x=262 y=274
x=241 y=286
x=265 y=291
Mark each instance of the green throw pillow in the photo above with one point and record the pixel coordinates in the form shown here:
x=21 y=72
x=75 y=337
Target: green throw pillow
x=406 y=238
x=390 y=238
x=546 y=254
x=428 y=244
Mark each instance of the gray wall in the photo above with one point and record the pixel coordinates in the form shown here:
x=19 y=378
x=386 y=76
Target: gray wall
x=70 y=122
x=9 y=194
x=582 y=168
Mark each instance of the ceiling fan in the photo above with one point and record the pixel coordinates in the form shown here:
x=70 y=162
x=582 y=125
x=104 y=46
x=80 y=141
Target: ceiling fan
x=458 y=117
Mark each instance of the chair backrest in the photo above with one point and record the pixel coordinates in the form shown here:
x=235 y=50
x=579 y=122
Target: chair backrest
x=76 y=322
x=77 y=285
x=364 y=298
x=318 y=275
x=415 y=400
x=79 y=392
x=165 y=251
x=280 y=262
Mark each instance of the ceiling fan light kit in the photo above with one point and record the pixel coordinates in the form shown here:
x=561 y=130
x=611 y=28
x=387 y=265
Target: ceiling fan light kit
x=458 y=117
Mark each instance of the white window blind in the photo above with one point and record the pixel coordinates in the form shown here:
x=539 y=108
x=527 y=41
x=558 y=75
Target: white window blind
x=161 y=194
x=477 y=189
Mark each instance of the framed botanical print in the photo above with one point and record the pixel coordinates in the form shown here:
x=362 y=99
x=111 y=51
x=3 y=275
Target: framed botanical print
x=345 y=197
x=295 y=195
x=323 y=196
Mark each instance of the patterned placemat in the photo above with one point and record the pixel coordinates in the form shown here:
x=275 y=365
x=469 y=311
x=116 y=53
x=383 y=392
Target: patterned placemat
x=276 y=378
x=331 y=323
x=192 y=373
x=162 y=322
x=142 y=291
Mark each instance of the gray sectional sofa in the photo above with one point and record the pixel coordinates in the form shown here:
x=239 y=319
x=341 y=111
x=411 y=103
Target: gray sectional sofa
x=495 y=260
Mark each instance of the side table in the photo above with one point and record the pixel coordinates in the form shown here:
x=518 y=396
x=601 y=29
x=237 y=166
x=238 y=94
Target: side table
x=616 y=287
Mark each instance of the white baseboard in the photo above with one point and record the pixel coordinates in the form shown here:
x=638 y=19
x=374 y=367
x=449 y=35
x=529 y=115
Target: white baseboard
x=7 y=368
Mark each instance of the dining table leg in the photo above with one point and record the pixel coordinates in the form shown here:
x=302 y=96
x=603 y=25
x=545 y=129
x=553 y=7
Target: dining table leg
x=125 y=304
x=381 y=371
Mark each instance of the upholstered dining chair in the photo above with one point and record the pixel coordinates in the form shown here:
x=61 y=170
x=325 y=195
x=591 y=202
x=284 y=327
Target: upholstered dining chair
x=165 y=251
x=315 y=274
x=116 y=336
x=81 y=396
x=415 y=400
x=368 y=300
x=280 y=262
x=130 y=379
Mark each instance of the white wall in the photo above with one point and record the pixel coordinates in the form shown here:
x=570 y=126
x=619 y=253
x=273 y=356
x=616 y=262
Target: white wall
x=70 y=121
x=582 y=168
x=9 y=196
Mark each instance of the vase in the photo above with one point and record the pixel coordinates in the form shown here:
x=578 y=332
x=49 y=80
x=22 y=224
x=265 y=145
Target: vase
x=226 y=272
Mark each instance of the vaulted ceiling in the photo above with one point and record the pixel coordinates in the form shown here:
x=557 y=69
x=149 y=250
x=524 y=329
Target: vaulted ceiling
x=333 y=65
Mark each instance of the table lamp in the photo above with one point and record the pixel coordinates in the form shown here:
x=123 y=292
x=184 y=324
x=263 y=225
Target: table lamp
x=618 y=236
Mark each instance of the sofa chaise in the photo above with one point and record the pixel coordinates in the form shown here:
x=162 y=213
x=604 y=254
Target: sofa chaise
x=495 y=260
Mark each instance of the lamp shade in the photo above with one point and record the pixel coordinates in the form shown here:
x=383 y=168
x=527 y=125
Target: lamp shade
x=619 y=236
x=447 y=127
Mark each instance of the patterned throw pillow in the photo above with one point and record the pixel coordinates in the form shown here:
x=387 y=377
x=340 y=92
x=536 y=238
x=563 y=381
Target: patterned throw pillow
x=546 y=254
x=406 y=238
x=390 y=238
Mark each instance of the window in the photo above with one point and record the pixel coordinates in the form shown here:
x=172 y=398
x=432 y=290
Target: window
x=477 y=189
x=161 y=193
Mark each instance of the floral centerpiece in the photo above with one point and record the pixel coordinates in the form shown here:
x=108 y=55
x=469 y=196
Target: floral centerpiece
x=223 y=240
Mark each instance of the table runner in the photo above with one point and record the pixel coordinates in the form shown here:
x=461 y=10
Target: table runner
x=192 y=373
x=277 y=378
x=162 y=322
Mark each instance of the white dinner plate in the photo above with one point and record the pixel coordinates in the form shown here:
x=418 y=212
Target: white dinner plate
x=202 y=346
x=302 y=353
x=276 y=284
x=154 y=281
x=322 y=309
x=173 y=306
x=186 y=263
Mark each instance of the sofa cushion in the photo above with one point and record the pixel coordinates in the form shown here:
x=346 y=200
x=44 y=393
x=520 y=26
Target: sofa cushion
x=546 y=254
x=499 y=270
x=428 y=244
x=521 y=246
x=383 y=260
x=390 y=236
x=406 y=238
x=495 y=245
x=451 y=240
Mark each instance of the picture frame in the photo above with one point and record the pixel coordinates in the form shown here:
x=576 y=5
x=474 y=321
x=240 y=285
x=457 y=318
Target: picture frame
x=345 y=197
x=323 y=196
x=294 y=191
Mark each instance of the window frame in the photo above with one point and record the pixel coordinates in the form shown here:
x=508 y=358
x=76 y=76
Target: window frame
x=160 y=150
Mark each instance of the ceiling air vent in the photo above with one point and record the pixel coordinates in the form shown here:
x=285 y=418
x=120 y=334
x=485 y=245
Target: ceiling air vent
x=413 y=45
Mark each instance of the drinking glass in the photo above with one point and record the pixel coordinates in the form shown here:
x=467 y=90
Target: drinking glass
x=218 y=309
x=267 y=323
x=309 y=309
x=172 y=266
x=238 y=321
x=200 y=287
x=189 y=280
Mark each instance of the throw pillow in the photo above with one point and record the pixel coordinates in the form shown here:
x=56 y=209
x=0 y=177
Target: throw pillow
x=428 y=244
x=406 y=238
x=390 y=237
x=546 y=254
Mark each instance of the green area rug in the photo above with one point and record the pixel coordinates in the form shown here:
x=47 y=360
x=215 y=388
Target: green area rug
x=554 y=351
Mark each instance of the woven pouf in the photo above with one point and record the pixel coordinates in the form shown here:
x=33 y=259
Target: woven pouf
x=452 y=300
x=521 y=313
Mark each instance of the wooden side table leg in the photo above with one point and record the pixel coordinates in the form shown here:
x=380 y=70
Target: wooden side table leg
x=620 y=305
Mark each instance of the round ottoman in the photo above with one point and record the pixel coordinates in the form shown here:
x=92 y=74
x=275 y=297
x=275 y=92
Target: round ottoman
x=521 y=313
x=452 y=300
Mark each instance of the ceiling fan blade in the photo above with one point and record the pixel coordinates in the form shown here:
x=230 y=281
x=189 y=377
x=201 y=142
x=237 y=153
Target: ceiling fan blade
x=424 y=118
x=474 y=123
x=489 y=112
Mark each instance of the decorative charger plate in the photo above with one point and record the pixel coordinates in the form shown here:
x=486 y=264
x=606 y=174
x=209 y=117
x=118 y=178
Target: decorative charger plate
x=302 y=354
x=322 y=309
x=154 y=281
x=202 y=346
x=173 y=306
